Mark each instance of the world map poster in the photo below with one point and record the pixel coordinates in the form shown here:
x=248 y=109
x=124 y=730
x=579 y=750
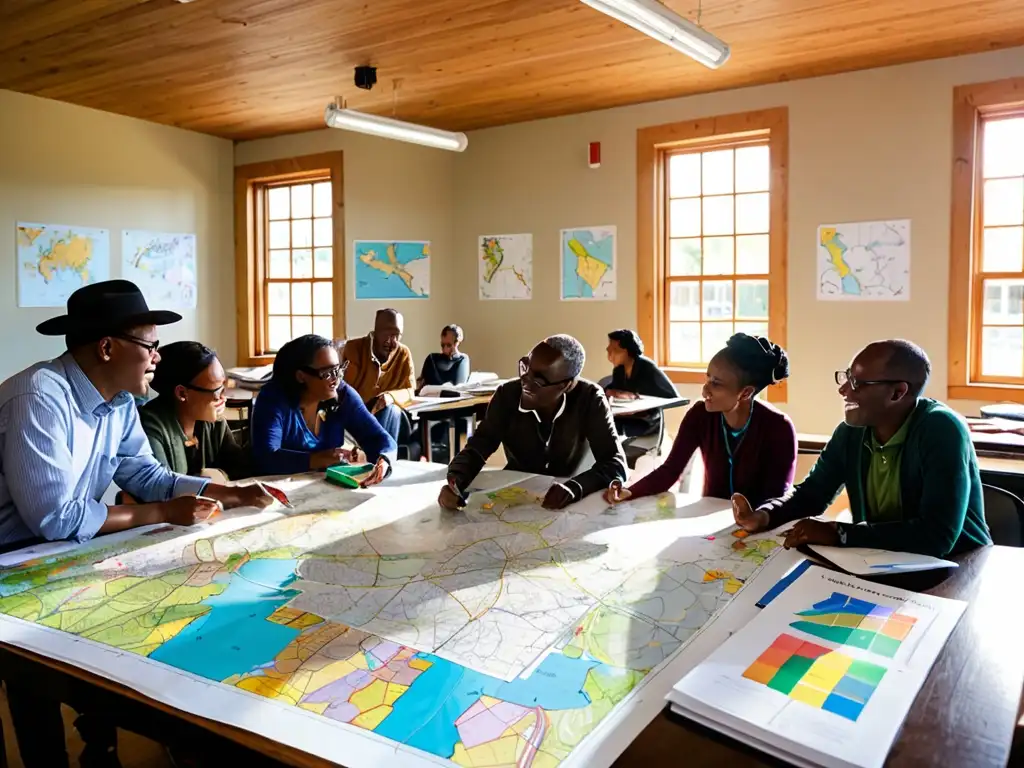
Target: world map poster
x=392 y=269
x=55 y=260
x=162 y=265
x=588 y=263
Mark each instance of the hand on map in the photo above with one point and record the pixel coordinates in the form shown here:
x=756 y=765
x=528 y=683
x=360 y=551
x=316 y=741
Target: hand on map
x=557 y=497
x=239 y=495
x=616 y=494
x=450 y=498
x=355 y=456
x=747 y=518
x=812 y=532
x=188 y=510
x=329 y=457
x=619 y=394
x=377 y=474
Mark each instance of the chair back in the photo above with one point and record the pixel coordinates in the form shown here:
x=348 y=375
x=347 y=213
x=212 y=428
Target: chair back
x=1004 y=513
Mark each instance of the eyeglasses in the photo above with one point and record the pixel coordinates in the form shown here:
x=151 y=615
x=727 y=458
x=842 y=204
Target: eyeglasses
x=329 y=373
x=217 y=393
x=845 y=377
x=149 y=346
x=539 y=381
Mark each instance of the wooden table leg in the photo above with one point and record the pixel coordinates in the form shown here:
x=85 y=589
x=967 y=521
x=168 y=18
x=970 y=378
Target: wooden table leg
x=425 y=433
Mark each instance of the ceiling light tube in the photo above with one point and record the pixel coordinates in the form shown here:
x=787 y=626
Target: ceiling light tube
x=668 y=27
x=386 y=127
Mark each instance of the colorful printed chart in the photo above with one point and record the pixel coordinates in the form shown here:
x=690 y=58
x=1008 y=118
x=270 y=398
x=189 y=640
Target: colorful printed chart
x=816 y=675
x=848 y=621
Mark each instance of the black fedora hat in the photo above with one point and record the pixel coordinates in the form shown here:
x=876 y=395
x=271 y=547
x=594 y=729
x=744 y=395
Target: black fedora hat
x=110 y=305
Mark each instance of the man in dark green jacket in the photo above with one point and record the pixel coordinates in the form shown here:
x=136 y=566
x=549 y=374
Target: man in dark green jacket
x=907 y=462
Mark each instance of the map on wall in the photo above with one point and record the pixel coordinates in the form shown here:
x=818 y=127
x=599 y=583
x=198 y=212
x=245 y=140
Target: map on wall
x=588 y=263
x=386 y=631
x=392 y=269
x=506 y=266
x=56 y=260
x=864 y=261
x=162 y=265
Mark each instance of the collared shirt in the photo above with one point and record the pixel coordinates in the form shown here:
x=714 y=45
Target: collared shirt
x=61 y=446
x=545 y=430
x=883 y=478
x=370 y=377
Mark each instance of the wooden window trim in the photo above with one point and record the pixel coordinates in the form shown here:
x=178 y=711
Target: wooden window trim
x=971 y=103
x=652 y=145
x=249 y=245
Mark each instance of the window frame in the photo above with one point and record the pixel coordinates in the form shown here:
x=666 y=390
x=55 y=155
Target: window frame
x=972 y=104
x=250 y=243
x=654 y=144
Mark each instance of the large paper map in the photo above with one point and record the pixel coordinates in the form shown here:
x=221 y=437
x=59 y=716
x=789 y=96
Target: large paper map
x=392 y=270
x=588 y=263
x=393 y=631
x=162 y=265
x=506 y=266
x=55 y=260
x=864 y=261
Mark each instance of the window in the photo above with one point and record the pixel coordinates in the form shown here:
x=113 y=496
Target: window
x=289 y=245
x=987 y=243
x=711 y=237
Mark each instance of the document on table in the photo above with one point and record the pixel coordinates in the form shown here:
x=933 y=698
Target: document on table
x=861 y=561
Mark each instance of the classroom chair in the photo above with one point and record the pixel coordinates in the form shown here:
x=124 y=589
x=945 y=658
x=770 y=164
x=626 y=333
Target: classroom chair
x=1004 y=513
x=637 y=448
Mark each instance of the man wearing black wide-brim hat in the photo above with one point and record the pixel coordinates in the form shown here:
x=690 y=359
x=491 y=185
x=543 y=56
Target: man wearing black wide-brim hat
x=68 y=429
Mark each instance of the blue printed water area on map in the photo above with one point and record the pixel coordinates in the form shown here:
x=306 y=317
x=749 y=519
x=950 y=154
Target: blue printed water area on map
x=392 y=270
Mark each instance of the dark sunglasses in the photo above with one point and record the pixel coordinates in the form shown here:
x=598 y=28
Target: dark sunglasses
x=539 y=381
x=149 y=346
x=329 y=373
x=845 y=377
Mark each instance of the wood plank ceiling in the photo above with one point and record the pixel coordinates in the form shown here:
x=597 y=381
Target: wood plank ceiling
x=243 y=69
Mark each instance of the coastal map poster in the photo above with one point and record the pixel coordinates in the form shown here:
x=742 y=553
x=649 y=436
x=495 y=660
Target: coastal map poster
x=864 y=261
x=162 y=265
x=55 y=260
x=588 y=263
x=392 y=269
x=506 y=266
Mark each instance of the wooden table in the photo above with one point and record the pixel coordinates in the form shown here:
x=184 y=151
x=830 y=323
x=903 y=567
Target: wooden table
x=967 y=711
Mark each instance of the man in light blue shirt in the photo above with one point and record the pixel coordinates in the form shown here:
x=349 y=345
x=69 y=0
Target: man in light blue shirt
x=68 y=428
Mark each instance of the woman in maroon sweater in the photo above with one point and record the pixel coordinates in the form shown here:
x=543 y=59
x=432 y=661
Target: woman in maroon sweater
x=748 y=446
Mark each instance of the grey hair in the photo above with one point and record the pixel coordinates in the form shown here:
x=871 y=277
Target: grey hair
x=571 y=350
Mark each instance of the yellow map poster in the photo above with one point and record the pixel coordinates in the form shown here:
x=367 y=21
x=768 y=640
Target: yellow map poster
x=588 y=263
x=55 y=260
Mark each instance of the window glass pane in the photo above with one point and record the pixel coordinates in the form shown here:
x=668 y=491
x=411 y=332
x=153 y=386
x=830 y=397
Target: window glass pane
x=717 y=303
x=684 y=342
x=279 y=332
x=752 y=329
x=279 y=234
x=1002 y=351
x=322 y=199
x=324 y=326
x=753 y=169
x=717 y=172
x=302 y=201
x=713 y=338
x=280 y=262
x=684 y=218
x=1004 y=302
x=302 y=299
x=277 y=202
x=684 y=301
x=718 y=215
x=323 y=262
x=752 y=213
x=1004 y=202
x=751 y=299
x=301 y=326
x=684 y=175
x=718 y=256
x=278 y=302
x=752 y=255
x=322 y=232
x=684 y=257
x=302 y=263
x=323 y=298
x=1003 y=149
x=1002 y=249
x=302 y=233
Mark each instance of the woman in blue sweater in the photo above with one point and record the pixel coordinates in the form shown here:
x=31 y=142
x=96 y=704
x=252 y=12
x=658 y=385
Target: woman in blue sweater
x=300 y=417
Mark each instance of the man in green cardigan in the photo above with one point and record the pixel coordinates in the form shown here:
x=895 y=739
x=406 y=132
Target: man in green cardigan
x=907 y=462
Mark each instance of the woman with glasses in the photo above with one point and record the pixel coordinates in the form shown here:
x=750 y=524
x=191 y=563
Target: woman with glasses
x=185 y=423
x=300 y=417
x=748 y=446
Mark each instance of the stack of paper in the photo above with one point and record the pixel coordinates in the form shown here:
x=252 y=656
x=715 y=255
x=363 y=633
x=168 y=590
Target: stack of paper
x=861 y=561
x=825 y=674
x=251 y=378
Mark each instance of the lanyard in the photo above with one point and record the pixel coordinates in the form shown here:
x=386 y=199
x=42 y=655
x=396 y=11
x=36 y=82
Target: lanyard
x=739 y=435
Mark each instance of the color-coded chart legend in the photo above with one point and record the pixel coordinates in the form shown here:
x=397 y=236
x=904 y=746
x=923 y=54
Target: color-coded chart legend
x=816 y=675
x=847 y=621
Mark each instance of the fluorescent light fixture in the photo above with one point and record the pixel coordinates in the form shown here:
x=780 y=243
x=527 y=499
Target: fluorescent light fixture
x=386 y=127
x=668 y=27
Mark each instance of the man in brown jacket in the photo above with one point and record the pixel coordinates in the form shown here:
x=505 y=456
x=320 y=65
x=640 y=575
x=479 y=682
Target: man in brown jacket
x=379 y=368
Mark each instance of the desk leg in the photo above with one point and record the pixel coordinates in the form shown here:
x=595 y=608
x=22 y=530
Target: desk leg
x=453 y=437
x=425 y=435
